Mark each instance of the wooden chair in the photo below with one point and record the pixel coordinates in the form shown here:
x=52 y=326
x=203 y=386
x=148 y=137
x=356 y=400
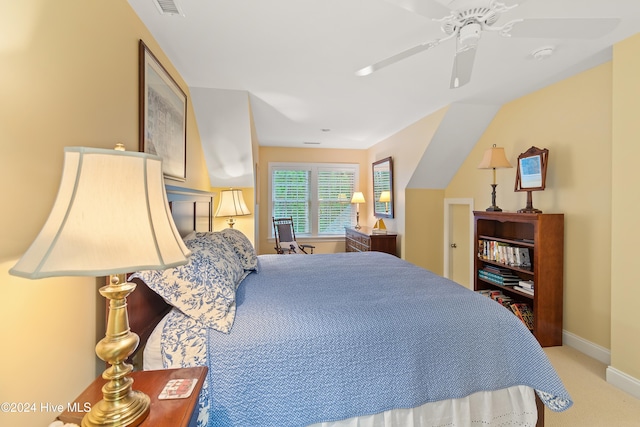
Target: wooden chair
x=286 y=238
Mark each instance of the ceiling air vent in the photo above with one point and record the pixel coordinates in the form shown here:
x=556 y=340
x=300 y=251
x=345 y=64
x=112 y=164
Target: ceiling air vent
x=168 y=7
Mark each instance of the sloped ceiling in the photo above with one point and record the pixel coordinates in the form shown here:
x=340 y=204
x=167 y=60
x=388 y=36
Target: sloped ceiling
x=295 y=60
x=459 y=131
x=224 y=124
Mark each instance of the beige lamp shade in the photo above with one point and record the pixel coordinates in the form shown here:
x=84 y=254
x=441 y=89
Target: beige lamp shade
x=385 y=197
x=494 y=158
x=110 y=216
x=232 y=204
x=357 y=197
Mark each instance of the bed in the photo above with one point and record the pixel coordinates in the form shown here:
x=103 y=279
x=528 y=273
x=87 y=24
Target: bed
x=350 y=339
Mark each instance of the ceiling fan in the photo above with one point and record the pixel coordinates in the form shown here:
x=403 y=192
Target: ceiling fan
x=467 y=22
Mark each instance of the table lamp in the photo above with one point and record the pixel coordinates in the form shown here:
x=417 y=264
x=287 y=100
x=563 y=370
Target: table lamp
x=494 y=158
x=111 y=216
x=232 y=204
x=357 y=198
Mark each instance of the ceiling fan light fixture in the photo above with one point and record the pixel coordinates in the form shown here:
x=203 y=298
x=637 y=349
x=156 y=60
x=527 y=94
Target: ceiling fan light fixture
x=470 y=34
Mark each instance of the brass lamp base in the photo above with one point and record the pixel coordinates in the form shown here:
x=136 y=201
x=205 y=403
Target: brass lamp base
x=128 y=411
x=120 y=406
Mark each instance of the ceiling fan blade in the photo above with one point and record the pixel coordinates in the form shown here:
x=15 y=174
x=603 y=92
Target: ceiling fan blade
x=579 y=28
x=429 y=8
x=462 y=67
x=397 y=57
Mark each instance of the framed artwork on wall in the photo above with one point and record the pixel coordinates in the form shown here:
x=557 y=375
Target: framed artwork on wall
x=163 y=116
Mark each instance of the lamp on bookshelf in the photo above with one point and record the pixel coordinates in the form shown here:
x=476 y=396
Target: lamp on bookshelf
x=494 y=158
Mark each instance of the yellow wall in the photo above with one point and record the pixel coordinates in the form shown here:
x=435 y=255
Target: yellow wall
x=424 y=224
x=625 y=235
x=69 y=76
x=573 y=120
x=406 y=148
x=280 y=154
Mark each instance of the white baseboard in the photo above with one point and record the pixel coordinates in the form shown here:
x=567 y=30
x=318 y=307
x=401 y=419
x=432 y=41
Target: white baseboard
x=615 y=377
x=624 y=382
x=592 y=350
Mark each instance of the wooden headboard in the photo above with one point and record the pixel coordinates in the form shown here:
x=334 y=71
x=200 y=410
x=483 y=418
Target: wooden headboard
x=192 y=210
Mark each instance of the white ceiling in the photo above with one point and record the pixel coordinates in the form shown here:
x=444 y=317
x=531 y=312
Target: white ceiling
x=297 y=58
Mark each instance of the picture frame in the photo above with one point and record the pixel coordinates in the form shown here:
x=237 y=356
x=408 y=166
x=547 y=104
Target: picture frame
x=163 y=115
x=531 y=175
x=382 y=171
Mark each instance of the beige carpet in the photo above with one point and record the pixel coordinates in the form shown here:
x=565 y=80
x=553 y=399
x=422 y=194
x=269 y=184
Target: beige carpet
x=595 y=402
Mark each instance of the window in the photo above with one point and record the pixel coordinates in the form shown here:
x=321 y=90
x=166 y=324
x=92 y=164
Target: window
x=316 y=195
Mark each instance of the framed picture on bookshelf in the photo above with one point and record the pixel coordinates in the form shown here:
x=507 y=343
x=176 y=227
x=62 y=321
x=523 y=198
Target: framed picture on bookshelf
x=531 y=174
x=532 y=170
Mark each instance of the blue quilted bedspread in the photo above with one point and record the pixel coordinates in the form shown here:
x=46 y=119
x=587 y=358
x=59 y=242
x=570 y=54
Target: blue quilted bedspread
x=328 y=337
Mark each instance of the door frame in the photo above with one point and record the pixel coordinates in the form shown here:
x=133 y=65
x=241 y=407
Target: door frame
x=447 y=235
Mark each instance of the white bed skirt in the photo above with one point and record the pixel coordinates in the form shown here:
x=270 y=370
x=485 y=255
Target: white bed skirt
x=514 y=406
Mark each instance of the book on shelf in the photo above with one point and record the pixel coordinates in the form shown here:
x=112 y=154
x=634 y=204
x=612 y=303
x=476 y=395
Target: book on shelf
x=527 y=284
x=524 y=260
x=495 y=275
x=497 y=296
x=504 y=253
x=524 y=313
x=524 y=290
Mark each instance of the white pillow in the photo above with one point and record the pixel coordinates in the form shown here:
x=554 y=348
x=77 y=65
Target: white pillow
x=152 y=353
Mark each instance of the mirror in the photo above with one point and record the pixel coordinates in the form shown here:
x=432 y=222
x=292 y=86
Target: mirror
x=531 y=174
x=383 y=188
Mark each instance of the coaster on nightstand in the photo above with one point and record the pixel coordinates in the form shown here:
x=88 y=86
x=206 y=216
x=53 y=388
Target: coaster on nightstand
x=178 y=388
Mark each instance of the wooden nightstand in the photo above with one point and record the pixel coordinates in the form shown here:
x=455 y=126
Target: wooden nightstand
x=163 y=413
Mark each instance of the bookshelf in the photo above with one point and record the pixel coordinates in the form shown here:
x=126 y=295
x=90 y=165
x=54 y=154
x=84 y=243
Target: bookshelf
x=542 y=235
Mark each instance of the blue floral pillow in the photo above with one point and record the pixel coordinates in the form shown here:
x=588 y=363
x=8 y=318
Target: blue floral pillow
x=242 y=247
x=204 y=288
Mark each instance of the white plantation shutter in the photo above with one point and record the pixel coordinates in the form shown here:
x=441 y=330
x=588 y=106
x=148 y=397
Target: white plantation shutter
x=316 y=195
x=290 y=189
x=335 y=188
